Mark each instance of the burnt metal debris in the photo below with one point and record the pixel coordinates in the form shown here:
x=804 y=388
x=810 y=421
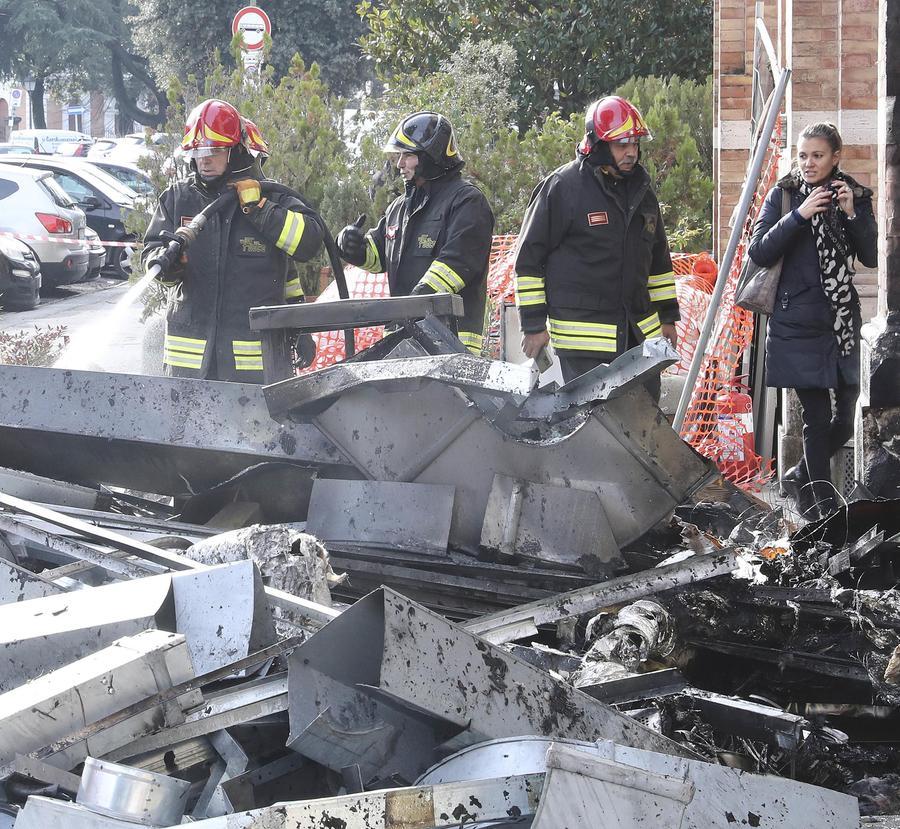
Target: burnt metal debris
x=413 y=589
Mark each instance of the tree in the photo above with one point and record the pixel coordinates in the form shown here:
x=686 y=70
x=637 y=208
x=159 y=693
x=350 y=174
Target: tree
x=47 y=40
x=567 y=53
x=679 y=159
x=178 y=38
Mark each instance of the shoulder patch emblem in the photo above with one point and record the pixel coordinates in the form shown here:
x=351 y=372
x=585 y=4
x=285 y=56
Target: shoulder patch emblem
x=426 y=242
x=250 y=244
x=598 y=218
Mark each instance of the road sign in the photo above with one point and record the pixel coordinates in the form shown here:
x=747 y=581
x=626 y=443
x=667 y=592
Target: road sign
x=252 y=23
x=15 y=98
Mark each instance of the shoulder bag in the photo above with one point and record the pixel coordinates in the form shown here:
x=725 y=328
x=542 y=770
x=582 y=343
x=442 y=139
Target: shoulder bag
x=757 y=286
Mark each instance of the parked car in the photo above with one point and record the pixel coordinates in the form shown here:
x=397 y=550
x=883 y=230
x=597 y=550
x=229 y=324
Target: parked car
x=104 y=199
x=47 y=141
x=129 y=149
x=37 y=211
x=128 y=174
x=78 y=149
x=97 y=254
x=20 y=276
x=7 y=148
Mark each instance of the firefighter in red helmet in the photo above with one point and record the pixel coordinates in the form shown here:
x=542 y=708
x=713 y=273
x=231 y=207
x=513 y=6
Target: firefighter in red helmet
x=593 y=271
x=240 y=259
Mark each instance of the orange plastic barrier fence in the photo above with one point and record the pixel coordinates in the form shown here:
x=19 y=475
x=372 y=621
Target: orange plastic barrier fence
x=719 y=421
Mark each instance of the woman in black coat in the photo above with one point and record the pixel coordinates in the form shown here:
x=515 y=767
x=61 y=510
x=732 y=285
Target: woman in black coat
x=813 y=339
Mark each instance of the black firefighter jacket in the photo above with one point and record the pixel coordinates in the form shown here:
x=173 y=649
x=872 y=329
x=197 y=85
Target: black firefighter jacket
x=595 y=262
x=437 y=238
x=237 y=262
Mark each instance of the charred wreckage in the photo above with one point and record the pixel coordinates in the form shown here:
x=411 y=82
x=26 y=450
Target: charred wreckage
x=415 y=590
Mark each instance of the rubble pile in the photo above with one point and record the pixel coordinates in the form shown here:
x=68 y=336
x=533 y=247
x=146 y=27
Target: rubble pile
x=426 y=594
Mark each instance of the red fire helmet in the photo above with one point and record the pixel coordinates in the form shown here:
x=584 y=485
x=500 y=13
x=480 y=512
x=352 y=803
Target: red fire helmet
x=612 y=119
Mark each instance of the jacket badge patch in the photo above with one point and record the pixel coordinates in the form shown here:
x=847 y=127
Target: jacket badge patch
x=426 y=242
x=598 y=218
x=186 y=220
x=250 y=244
x=391 y=231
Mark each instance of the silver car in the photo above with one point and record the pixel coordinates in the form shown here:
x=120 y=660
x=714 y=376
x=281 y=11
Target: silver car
x=36 y=210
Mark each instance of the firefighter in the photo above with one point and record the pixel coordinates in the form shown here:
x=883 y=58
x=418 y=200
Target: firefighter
x=436 y=237
x=239 y=260
x=593 y=263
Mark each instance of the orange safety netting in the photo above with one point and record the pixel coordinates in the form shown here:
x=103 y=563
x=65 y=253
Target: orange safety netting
x=718 y=422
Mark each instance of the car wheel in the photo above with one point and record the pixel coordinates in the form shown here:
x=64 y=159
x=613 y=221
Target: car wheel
x=120 y=264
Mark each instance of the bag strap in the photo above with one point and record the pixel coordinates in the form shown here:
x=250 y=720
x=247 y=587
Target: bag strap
x=785 y=201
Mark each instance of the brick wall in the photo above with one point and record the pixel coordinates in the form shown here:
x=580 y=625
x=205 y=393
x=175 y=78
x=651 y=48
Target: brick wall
x=831 y=48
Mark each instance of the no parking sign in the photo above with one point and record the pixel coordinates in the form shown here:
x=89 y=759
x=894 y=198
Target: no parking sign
x=15 y=98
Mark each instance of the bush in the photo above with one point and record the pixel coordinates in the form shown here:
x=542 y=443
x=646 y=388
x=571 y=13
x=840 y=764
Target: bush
x=473 y=90
x=42 y=347
x=679 y=159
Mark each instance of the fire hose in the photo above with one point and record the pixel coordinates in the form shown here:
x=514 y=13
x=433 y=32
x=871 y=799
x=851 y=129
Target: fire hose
x=184 y=236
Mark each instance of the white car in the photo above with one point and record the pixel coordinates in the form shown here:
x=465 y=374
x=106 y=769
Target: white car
x=38 y=212
x=129 y=149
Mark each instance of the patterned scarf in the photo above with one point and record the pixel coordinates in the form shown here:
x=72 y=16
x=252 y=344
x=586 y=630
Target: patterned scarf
x=834 y=264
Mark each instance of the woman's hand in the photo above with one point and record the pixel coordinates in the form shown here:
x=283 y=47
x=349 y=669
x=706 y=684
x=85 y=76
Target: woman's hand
x=844 y=197
x=816 y=202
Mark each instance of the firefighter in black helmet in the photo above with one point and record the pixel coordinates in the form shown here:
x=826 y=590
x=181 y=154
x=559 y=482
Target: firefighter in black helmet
x=437 y=236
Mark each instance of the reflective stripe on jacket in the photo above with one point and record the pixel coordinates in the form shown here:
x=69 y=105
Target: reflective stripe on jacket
x=237 y=262
x=440 y=244
x=588 y=268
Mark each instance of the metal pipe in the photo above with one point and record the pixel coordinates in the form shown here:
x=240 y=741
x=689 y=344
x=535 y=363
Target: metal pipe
x=737 y=228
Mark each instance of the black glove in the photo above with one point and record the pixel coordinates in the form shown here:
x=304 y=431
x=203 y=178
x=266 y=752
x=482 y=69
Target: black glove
x=171 y=258
x=351 y=242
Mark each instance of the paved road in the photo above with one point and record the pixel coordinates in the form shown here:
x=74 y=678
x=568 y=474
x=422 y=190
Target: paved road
x=103 y=335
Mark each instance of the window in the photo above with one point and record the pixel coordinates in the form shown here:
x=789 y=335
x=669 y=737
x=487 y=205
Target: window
x=78 y=190
x=75 y=116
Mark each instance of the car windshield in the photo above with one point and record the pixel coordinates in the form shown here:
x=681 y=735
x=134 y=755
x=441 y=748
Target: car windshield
x=130 y=178
x=89 y=170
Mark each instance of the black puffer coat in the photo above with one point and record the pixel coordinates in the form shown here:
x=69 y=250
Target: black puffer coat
x=801 y=350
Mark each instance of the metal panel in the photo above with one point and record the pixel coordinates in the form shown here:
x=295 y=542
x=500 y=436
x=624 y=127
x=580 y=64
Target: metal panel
x=604 y=382
x=47 y=490
x=62 y=702
x=729 y=797
x=219 y=609
x=308 y=395
x=338 y=725
x=43 y=634
x=724 y=797
x=356 y=313
x=395 y=650
x=18 y=584
x=625 y=451
x=313 y=613
x=498 y=803
x=553 y=524
x=508 y=625
x=223 y=709
x=579 y=787
x=153 y=433
x=223 y=613
x=408 y=516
